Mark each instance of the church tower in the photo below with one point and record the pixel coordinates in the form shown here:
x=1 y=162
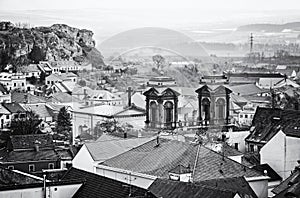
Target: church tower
x=161 y=108
x=213 y=104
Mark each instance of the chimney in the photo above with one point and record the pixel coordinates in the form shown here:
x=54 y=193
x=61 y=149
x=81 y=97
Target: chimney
x=37 y=146
x=129 y=91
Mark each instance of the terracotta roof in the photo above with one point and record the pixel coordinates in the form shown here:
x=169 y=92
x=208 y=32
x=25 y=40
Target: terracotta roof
x=31 y=155
x=170 y=189
x=270 y=172
x=11 y=178
x=158 y=160
x=268 y=121
x=21 y=97
x=14 y=107
x=103 y=150
x=40 y=109
x=3 y=89
x=29 y=141
x=290 y=187
x=99 y=186
x=63 y=98
x=246 y=89
x=234 y=184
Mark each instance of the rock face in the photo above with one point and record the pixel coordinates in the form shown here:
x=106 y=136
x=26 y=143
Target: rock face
x=55 y=43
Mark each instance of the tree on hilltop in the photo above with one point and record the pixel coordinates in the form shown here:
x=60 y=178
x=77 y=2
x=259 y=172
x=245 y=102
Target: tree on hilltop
x=158 y=60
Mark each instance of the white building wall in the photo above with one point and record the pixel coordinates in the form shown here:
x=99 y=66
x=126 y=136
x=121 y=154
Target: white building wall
x=66 y=191
x=237 y=137
x=273 y=153
x=260 y=187
x=83 y=160
x=292 y=152
x=137 y=179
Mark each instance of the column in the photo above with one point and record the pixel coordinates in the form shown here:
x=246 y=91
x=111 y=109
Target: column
x=227 y=107
x=199 y=108
x=160 y=113
x=147 y=112
x=175 y=111
x=212 y=114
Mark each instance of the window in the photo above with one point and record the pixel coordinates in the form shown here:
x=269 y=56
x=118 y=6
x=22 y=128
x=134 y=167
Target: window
x=31 y=168
x=48 y=82
x=241 y=116
x=246 y=116
x=251 y=148
x=22 y=84
x=11 y=167
x=51 y=166
x=15 y=84
x=236 y=146
x=7 y=117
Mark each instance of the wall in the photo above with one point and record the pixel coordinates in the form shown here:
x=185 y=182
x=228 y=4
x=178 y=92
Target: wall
x=273 y=153
x=137 y=179
x=66 y=191
x=82 y=119
x=260 y=187
x=39 y=165
x=292 y=154
x=238 y=137
x=83 y=160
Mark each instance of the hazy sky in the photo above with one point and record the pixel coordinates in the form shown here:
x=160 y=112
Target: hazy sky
x=249 y=5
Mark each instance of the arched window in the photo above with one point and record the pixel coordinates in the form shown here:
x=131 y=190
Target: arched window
x=220 y=109
x=168 y=112
x=153 y=113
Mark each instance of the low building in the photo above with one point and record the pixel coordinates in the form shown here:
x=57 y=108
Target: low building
x=93 y=153
x=60 y=77
x=157 y=158
x=275 y=135
x=88 y=117
x=290 y=187
x=31 y=154
x=13 y=80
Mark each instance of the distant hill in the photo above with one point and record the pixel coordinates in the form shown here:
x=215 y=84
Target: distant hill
x=20 y=46
x=270 y=27
x=151 y=36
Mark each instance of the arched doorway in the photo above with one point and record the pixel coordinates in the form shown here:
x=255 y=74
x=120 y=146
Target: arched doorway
x=153 y=114
x=206 y=110
x=168 y=114
x=220 y=110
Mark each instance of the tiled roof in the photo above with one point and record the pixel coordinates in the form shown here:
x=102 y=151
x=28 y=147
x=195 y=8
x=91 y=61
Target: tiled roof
x=31 y=155
x=63 y=98
x=171 y=189
x=270 y=172
x=29 y=141
x=268 y=121
x=101 y=110
x=21 y=97
x=14 y=107
x=40 y=109
x=103 y=150
x=290 y=187
x=11 y=178
x=246 y=89
x=159 y=160
x=3 y=89
x=234 y=184
x=99 y=186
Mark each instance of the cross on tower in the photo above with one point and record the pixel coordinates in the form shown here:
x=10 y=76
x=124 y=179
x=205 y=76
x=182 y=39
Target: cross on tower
x=129 y=91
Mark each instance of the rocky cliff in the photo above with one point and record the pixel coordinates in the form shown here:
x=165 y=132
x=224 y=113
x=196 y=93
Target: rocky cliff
x=20 y=46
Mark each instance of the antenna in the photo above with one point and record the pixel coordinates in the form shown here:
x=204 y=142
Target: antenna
x=251 y=43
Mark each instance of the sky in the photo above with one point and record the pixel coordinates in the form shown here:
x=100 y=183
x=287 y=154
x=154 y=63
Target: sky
x=253 y=5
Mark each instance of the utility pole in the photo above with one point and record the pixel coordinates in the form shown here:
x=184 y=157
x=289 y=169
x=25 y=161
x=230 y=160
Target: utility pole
x=251 y=43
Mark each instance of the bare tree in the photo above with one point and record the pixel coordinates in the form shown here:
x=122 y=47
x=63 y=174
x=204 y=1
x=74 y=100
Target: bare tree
x=158 y=60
